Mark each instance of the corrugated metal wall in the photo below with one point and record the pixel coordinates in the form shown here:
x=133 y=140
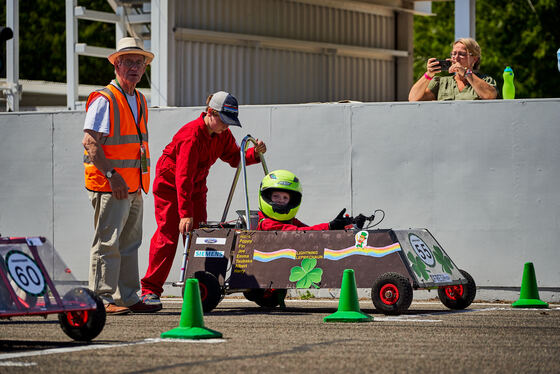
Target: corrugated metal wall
x=288 y=19
x=264 y=75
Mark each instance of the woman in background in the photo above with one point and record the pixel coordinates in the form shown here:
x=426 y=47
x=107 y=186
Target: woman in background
x=466 y=83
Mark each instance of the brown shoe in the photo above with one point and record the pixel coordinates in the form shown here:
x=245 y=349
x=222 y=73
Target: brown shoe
x=140 y=307
x=115 y=309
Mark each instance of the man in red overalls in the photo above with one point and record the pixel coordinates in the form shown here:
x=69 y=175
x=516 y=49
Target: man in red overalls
x=180 y=183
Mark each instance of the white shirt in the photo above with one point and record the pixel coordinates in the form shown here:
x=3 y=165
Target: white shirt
x=98 y=114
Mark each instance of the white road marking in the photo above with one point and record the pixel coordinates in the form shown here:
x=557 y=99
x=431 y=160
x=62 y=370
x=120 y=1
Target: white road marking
x=20 y=364
x=403 y=319
x=209 y=341
x=525 y=309
x=66 y=349
x=418 y=317
x=51 y=351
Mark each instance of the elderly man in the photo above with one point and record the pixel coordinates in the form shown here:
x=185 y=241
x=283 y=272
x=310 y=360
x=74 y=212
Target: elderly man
x=117 y=169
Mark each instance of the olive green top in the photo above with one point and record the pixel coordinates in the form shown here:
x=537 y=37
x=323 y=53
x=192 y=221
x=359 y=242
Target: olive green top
x=445 y=88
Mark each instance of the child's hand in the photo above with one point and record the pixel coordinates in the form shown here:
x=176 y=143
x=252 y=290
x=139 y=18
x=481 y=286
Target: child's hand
x=260 y=147
x=340 y=221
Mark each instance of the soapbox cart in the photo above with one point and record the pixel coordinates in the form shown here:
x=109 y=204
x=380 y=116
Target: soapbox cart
x=234 y=257
x=35 y=281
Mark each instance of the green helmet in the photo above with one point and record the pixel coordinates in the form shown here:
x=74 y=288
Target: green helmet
x=280 y=180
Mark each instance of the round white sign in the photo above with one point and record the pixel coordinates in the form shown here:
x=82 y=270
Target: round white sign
x=25 y=272
x=422 y=250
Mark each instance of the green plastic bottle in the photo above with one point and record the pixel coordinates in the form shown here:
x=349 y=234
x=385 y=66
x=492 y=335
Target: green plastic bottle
x=508 y=90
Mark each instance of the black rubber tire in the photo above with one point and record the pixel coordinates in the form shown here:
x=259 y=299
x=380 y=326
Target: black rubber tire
x=266 y=298
x=83 y=330
x=251 y=295
x=458 y=301
x=211 y=292
x=391 y=293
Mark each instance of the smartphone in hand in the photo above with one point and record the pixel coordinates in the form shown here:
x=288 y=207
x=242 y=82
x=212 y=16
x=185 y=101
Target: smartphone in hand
x=444 y=64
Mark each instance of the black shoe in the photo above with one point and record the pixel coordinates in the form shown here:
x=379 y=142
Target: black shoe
x=140 y=307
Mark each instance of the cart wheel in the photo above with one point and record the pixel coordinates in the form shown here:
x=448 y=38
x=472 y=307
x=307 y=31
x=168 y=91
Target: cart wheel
x=459 y=296
x=83 y=325
x=210 y=290
x=391 y=293
x=251 y=295
x=266 y=298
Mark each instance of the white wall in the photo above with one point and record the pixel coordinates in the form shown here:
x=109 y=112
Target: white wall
x=481 y=176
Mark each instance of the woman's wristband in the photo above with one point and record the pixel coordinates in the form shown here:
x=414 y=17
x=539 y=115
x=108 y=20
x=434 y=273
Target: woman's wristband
x=428 y=77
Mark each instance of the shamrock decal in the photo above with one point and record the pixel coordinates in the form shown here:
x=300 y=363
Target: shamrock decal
x=445 y=261
x=306 y=275
x=418 y=266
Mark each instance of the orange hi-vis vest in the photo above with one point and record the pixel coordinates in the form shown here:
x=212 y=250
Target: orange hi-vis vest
x=122 y=147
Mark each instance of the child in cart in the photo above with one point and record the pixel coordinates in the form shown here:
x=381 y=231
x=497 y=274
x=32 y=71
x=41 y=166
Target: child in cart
x=280 y=196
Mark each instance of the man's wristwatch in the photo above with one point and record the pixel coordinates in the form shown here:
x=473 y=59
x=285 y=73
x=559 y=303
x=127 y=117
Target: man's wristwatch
x=468 y=73
x=109 y=174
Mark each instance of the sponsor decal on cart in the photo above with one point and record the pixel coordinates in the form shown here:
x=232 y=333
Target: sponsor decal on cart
x=307 y=275
x=26 y=273
x=361 y=239
x=217 y=241
x=275 y=255
x=440 y=278
x=209 y=253
x=338 y=254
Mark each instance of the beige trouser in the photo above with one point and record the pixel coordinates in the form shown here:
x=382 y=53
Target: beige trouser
x=113 y=273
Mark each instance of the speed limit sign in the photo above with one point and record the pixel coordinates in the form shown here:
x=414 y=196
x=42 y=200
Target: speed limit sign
x=26 y=273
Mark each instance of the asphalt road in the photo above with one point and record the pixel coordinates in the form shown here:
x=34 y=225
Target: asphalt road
x=485 y=338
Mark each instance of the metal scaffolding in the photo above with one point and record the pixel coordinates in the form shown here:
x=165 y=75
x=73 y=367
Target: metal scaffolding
x=130 y=18
x=12 y=89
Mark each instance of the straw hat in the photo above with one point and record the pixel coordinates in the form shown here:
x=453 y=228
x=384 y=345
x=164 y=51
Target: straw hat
x=127 y=46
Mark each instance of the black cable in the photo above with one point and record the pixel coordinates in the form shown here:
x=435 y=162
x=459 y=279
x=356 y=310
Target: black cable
x=371 y=219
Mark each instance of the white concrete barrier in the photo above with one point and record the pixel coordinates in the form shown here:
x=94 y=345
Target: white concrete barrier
x=483 y=177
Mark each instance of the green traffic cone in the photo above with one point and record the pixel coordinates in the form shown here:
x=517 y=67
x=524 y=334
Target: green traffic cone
x=529 y=296
x=348 y=305
x=191 y=325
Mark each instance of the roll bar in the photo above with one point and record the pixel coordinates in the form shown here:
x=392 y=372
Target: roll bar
x=242 y=166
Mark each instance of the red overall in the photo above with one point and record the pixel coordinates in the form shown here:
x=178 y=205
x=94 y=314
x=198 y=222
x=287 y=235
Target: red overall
x=269 y=224
x=180 y=191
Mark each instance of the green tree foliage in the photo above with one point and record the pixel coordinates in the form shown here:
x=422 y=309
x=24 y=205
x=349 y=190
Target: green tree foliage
x=509 y=32
x=42 y=46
